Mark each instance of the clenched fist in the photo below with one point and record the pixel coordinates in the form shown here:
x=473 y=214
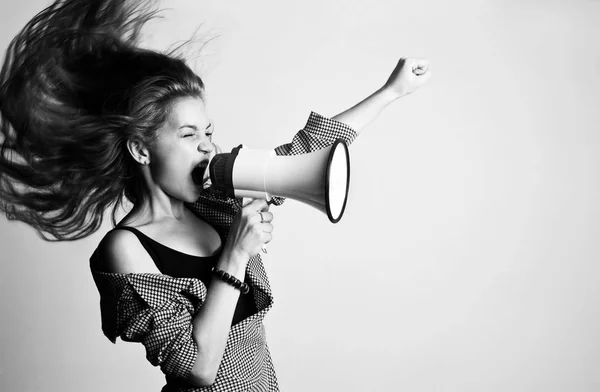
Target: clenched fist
x=409 y=75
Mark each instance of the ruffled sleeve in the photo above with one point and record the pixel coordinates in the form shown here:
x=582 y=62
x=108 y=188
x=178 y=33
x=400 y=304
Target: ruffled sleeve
x=155 y=310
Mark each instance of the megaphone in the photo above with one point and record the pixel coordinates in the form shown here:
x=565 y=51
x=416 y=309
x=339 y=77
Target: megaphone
x=320 y=179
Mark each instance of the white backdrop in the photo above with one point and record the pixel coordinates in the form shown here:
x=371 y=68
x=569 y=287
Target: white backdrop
x=467 y=259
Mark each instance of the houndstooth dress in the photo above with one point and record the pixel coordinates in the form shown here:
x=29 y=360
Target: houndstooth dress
x=157 y=310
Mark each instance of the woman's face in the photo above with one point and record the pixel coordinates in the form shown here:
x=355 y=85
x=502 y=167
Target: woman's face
x=183 y=143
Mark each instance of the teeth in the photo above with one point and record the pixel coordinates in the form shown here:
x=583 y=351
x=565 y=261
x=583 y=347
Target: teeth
x=206 y=178
x=200 y=172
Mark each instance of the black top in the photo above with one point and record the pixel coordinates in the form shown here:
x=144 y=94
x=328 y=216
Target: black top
x=182 y=265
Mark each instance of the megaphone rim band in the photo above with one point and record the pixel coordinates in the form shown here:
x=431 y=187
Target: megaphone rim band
x=329 y=159
x=229 y=171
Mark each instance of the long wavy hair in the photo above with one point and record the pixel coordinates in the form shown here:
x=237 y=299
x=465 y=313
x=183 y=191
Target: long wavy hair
x=74 y=87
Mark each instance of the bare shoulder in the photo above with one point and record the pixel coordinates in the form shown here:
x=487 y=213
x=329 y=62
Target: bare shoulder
x=120 y=251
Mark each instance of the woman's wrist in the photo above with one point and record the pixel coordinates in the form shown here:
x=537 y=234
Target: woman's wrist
x=233 y=262
x=231 y=280
x=388 y=94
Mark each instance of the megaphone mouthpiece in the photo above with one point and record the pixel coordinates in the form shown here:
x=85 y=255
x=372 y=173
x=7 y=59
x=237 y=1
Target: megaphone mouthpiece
x=221 y=171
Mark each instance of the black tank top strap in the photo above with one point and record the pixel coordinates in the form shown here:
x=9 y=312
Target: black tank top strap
x=146 y=242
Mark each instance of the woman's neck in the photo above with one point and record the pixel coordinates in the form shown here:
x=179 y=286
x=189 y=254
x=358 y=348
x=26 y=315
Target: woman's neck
x=156 y=209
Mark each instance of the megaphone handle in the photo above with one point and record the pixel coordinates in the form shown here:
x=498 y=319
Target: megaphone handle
x=245 y=202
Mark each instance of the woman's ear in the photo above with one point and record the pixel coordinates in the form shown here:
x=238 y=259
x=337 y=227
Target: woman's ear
x=138 y=151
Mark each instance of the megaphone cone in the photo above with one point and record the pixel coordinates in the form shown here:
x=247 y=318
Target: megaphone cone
x=320 y=179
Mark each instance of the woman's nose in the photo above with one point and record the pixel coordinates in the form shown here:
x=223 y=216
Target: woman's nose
x=206 y=146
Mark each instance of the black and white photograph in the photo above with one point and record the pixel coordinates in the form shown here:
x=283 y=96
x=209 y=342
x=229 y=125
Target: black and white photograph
x=202 y=195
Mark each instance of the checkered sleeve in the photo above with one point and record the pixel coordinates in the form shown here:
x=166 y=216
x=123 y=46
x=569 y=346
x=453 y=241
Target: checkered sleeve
x=155 y=310
x=319 y=132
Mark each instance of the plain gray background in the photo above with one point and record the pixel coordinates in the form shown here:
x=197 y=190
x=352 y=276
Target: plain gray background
x=467 y=259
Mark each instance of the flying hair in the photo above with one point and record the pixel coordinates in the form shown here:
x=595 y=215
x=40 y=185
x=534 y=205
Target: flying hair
x=75 y=85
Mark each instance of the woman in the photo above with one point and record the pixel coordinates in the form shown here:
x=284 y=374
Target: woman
x=90 y=120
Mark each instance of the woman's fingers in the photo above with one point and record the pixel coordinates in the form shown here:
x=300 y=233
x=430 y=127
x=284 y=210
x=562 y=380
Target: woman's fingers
x=267 y=227
x=268 y=237
x=409 y=74
x=255 y=204
x=265 y=216
x=257 y=220
x=420 y=65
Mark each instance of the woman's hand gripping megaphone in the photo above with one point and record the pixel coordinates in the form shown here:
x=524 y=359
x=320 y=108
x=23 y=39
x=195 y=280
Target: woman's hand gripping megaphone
x=251 y=229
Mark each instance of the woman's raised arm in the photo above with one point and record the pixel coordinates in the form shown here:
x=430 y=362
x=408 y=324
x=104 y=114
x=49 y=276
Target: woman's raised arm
x=409 y=75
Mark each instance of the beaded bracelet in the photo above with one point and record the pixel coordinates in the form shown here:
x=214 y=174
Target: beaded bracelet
x=232 y=280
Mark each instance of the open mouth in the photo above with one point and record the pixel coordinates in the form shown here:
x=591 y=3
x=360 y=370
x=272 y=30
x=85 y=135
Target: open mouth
x=200 y=174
